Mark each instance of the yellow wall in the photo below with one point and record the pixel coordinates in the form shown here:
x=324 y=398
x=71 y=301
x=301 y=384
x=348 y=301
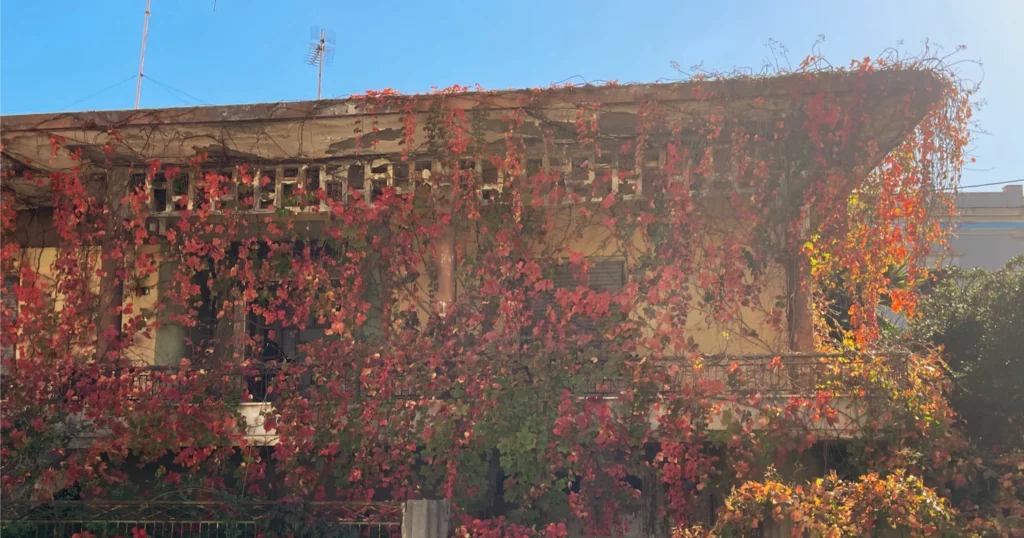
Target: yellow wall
x=710 y=335
x=165 y=345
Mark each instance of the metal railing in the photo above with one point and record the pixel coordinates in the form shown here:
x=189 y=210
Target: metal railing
x=258 y=382
x=161 y=518
x=777 y=374
x=794 y=373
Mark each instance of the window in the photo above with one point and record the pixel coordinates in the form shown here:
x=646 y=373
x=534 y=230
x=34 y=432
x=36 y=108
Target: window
x=170 y=188
x=423 y=170
x=246 y=189
x=335 y=184
x=214 y=189
x=631 y=180
x=277 y=338
x=218 y=188
x=264 y=330
x=179 y=185
x=159 y=192
x=534 y=166
x=380 y=176
x=289 y=187
x=604 y=171
x=402 y=178
x=370 y=178
x=490 y=181
x=580 y=178
x=277 y=342
x=266 y=188
x=9 y=314
x=723 y=168
x=592 y=176
x=605 y=274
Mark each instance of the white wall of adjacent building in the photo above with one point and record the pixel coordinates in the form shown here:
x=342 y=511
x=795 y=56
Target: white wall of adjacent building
x=989 y=229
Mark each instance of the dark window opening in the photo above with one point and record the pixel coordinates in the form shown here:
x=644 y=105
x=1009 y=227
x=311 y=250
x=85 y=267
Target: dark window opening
x=578 y=181
x=269 y=322
x=10 y=314
x=137 y=182
x=335 y=186
x=312 y=185
x=534 y=167
x=423 y=170
x=247 y=192
x=401 y=177
x=356 y=177
x=489 y=173
x=290 y=187
x=159 y=189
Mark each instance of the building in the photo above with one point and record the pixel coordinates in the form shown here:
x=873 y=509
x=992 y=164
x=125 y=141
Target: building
x=577 y=159
x=989 y=229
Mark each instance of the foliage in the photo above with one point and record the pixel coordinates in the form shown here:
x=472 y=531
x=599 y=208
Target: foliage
x=831 y=507
x=462 y=350
x=977 y=317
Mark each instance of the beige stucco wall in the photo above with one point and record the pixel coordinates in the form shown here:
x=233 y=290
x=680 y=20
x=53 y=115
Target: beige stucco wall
x=165 y=345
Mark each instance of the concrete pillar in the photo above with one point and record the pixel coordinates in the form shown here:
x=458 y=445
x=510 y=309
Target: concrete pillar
x=800 y=304
x=445 y=198
x=445 y=270
x=800 y=307
x=111 y=285
x=426 y=519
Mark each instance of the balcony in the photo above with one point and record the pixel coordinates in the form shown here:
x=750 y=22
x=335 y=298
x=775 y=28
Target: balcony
x=754 y=384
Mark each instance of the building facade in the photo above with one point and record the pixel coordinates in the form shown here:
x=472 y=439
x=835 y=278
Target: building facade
x=448 y=236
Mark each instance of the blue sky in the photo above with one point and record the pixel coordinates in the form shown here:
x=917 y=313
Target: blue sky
x=54 y=53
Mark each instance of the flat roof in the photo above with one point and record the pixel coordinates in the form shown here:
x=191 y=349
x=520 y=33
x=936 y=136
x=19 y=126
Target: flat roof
x=304 y=131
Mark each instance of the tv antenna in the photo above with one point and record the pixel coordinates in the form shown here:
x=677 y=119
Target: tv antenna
x=321 y=51
x=142 y=56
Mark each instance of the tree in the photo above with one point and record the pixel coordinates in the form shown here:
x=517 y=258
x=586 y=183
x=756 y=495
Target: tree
x=977 y=317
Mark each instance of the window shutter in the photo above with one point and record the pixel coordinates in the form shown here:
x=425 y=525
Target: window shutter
x=605 y=275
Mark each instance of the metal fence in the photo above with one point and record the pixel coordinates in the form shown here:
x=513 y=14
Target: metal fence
x=211 y=519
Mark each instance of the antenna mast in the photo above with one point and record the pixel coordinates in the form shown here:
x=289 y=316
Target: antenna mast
x=142 y=56
x=320 y=52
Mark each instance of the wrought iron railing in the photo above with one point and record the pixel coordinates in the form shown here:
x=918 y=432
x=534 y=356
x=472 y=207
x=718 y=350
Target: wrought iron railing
x=259 y=382
x=776 y=375
x=794 y=373
x=213 y=519
x=781 y=374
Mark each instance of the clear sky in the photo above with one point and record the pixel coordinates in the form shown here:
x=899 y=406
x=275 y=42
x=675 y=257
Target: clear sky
x=55 y=54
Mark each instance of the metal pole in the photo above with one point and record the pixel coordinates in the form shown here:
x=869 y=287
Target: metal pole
x=142 y=57
x=320 y=71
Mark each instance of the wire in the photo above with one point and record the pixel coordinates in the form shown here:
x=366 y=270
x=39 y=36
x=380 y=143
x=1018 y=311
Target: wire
x=90 y=96
x=987 y=184
x=169 y=88
x=174 y=95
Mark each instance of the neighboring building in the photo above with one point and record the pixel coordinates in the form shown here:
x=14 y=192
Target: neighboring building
x=989 y=229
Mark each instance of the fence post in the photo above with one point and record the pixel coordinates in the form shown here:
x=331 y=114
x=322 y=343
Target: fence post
x=425 y=519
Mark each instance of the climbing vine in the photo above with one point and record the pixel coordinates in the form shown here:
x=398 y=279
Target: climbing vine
x=536 y=308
